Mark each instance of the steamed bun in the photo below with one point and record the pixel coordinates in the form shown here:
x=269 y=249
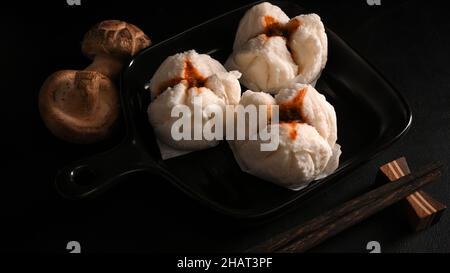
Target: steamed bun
x=307 y=135
x=180 y=80
x=301 y=157
x=273 y=52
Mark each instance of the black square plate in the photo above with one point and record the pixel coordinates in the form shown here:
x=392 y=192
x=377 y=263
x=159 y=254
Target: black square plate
x=371 y=116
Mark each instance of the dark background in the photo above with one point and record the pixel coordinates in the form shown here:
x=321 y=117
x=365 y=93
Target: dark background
x=407 y=41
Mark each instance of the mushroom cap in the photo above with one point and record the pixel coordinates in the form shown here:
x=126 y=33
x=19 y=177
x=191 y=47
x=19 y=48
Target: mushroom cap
x=79 y=106
x=116 y=38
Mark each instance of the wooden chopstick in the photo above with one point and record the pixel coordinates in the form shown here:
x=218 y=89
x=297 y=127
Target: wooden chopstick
x=317 y=230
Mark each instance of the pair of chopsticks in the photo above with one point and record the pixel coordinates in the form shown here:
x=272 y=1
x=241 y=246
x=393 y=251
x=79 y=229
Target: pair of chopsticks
x=317 y=230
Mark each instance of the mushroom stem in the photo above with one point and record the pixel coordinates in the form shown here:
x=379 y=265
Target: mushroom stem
x=107 y=65
x=88 y=85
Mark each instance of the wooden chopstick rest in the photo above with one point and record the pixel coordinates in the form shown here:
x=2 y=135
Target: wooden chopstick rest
x=421 y=210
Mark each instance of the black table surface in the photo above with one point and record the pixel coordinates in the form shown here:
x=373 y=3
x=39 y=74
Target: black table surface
x=406 y=40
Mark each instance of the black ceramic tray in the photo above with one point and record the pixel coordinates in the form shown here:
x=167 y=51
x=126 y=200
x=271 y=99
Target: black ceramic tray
x=371 y=116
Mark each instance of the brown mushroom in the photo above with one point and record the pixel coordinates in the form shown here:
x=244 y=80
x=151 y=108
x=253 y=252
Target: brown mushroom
x=83 y=106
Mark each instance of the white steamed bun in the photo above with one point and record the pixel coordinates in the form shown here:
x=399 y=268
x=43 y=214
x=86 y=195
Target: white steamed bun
x=181 y=78
x=307 y=133
x=272 y=51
